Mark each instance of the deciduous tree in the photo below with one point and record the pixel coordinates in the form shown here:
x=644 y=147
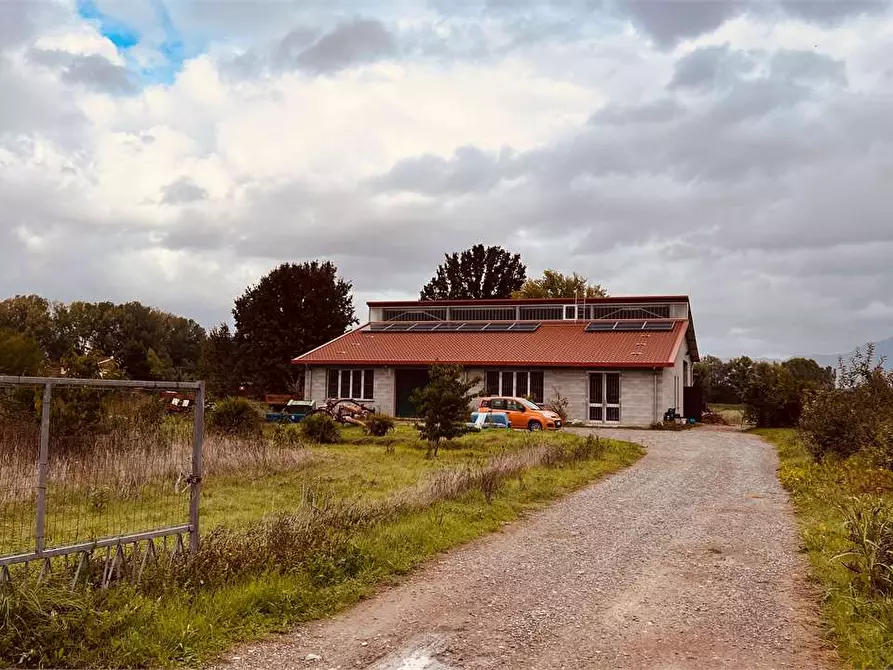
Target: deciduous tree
x=476 y=273
x=219 y=362
x=554 y=284
x=293 y=309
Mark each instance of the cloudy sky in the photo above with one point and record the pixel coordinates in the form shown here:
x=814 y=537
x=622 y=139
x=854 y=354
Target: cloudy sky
x=173 y=151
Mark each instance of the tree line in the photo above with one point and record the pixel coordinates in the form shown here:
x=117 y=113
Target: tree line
x=773 y=393
x=291 y=310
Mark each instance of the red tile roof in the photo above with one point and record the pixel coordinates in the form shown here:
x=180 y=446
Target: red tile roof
x=553 y=344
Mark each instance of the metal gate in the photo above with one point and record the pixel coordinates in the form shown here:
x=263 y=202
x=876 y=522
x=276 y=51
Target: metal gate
x=129 y=497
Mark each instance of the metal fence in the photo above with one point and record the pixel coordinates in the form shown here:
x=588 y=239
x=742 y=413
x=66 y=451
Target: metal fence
x=116 y=497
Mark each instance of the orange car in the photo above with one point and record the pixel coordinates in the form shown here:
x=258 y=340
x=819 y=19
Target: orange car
x=522 y=413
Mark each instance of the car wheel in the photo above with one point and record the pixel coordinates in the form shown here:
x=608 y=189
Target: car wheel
x=534 y=425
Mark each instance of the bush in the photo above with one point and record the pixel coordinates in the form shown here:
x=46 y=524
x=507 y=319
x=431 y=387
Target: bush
x=320 y=428
x=855 y=416
x=235 y=416
x=775 y=392
x=379 y=425
x=558 y=404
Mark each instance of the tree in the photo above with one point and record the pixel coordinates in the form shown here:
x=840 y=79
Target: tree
x=775 y=393
x=442 y=405
x=293 y=309
x=219 y=362
x=33 y=316
x=19 y=354
x=554 y=284
x=476 y=273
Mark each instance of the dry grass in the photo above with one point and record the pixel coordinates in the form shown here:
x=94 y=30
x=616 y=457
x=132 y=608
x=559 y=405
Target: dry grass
x=124 y=461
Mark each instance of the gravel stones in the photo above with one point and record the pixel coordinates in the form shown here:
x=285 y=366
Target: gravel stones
x=688 y=559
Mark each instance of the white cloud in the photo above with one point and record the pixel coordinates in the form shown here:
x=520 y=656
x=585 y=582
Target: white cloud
x=761 y=194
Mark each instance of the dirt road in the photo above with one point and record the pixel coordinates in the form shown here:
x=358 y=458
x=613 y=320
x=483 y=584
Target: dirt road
x=686 y=560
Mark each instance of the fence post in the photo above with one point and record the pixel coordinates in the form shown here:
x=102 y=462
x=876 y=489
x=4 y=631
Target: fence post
x=198 y=434
x=43 y=469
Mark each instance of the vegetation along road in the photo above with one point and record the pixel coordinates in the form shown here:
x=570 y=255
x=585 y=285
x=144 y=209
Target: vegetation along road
x=687 y=559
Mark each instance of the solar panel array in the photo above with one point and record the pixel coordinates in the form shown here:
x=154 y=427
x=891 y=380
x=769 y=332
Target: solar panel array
x=628 y=326
x=454 y=327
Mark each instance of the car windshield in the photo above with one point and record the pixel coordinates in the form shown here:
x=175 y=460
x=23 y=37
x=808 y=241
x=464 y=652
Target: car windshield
x=528 y=404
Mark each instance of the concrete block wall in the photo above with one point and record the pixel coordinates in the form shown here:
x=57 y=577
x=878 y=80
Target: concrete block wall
x=382 y=389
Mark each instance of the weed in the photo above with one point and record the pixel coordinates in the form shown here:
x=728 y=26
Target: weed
x=320 y=428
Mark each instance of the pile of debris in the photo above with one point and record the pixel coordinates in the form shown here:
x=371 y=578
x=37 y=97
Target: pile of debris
x=345 y=410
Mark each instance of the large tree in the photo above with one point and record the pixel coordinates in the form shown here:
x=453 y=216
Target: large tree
x=19 y=354
x=554 y=284
x=476 y=273
x=144 y=341
x=293 y=309
x=219 y=362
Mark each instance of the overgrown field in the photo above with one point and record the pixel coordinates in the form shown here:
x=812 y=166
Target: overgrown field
x=297 y=533
x=845 y=509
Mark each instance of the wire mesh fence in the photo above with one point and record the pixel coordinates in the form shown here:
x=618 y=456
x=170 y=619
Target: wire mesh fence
x=92 y=464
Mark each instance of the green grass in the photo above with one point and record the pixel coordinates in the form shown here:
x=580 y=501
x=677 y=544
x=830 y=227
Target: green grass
x=861 y=627
x=154 y=626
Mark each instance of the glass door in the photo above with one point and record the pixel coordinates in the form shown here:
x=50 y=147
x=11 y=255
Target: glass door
x=604 y=396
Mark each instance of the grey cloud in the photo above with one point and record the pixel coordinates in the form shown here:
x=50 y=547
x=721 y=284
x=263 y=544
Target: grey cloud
x=711 y=67
x=303 y=48
x=829 y=12
x=92 y=71
x=182 y=191
x=807 y=66
x=359 y=41
x=469 y=170
x=658 y=111
x=670 y=21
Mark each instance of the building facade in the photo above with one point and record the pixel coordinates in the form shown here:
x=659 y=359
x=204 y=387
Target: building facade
x=617 y=361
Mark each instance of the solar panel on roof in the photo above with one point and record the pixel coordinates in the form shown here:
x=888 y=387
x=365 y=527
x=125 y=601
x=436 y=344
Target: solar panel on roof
x=600 y=326
x=627 y=326
x=658 y=325
x=524 y=327
x=454 y=326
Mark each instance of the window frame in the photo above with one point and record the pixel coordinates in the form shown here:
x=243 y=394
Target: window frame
x=351 y=379
x=495 y=377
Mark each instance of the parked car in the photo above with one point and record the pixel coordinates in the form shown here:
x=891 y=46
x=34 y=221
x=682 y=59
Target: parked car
x=482 y=420
x=522 y=413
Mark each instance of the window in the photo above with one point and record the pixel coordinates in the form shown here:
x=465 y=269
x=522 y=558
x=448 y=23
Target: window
x=518 y=383
x=514 y=406
x=497 y=403
x=348 y=383
x=604 y=396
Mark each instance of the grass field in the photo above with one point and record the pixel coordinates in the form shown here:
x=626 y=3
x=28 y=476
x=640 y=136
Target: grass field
x=239 y=592
x=861 y=626
x=733 y=414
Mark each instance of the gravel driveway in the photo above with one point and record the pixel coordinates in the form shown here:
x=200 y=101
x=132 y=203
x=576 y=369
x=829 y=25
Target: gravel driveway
x=688 y=559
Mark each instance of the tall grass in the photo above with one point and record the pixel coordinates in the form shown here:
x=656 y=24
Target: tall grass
x=126 y=460
x=845 y=515
x=289 y=567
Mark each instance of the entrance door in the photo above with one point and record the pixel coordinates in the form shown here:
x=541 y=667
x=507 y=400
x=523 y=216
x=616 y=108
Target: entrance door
x=604 y=396
x=406 y=382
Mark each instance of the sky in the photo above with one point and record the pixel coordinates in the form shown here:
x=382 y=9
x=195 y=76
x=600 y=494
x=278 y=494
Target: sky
x=741 y=152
